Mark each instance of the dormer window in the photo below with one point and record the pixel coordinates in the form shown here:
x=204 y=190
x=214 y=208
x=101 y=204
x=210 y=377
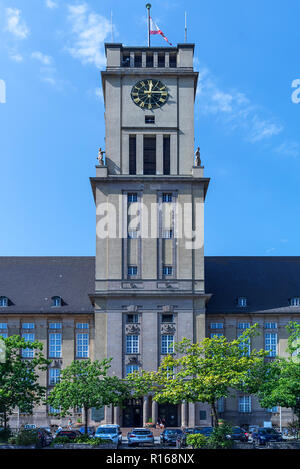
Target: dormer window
x=56 y=301
x=3 y=301
x=295 y=301
x=242 y=302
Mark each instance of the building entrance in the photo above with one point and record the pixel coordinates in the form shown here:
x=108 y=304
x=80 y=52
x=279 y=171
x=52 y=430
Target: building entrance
x=169 y=412
x=133 y=413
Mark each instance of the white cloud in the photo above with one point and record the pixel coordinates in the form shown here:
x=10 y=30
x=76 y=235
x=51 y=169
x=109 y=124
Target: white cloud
x=289 y=149
x=234 y=109
x=50 y=4
x=16 y=57
x=99 y=93
x=44 y=59
x=88 y=33
x=15 y=24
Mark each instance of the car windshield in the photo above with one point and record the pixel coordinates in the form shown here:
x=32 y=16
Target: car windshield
x=237 y=430
x=106 y=431
x=141 y=432
x=174 y=432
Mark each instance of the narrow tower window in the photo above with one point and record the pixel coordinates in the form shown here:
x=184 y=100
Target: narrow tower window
x=149 y=155
x=166 y=155
x=132 y=154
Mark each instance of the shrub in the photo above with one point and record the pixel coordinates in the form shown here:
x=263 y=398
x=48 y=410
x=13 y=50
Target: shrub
x=219 y=437
x=5 y=434
x=26 y=438
x=61 y=440
x=197 y=441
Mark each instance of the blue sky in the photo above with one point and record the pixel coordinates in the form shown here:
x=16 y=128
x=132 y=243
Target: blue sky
x=52 y=123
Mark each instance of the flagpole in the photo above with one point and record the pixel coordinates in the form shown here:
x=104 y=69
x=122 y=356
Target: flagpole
x=148 y=6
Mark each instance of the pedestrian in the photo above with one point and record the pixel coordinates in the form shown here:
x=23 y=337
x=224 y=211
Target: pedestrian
x=163 y=421
x=69 y=424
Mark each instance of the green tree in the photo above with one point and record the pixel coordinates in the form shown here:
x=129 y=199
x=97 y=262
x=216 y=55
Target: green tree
x=281 y=385
x=19 y=386
x=204 y=372
x=86 y=384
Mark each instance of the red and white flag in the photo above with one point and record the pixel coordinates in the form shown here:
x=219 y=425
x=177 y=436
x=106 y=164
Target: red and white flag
x=154 y=29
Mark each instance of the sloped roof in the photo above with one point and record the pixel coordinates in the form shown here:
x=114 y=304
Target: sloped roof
x=31 y=282
x=267 y=282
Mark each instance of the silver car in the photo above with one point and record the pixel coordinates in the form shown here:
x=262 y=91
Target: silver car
x=140 y=436
x=110 y=433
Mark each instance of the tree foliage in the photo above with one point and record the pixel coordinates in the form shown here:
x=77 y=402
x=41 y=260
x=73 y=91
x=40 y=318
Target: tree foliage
x=86 y=384
x=204 y=372
x=19 y=386
x=281 y=386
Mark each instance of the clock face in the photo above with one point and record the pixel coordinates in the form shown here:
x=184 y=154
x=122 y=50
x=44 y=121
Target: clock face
x=149 y=94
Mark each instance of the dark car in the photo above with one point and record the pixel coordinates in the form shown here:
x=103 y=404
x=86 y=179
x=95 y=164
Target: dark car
x=170 y=436
x=71 y=434
x=43 y=437
x=263 y=436
x=238 y=434
x=90 y=430
x=206 y=431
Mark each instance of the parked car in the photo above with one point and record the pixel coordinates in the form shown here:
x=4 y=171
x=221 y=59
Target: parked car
x=44 y=438
x=140 y=436
x=90 y=430
x=110 y=433
x=71 y=434
x=206 y=431
x=263 y=436
x=170 y=436
x=238 y=434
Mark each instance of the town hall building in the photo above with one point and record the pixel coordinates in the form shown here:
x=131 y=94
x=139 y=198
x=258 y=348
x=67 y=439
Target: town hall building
x=149 y=284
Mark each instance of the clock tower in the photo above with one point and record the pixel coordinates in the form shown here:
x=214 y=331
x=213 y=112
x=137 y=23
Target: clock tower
x=149 y=194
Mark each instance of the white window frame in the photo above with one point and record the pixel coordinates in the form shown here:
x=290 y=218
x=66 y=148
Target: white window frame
x=271 y=343
x=245 y=404
x=295 y=301
x=216 y=334
x=132 y=197
x=132 y=344
x=217 y=325
x=3 y=325
x=55 y=344
x=57 y=301
x=244 y=325
x=28 y=325
x=54 y=376
x=131 y=369
x=271 y=325
x=135 y=318
x=82 y=325
x=167 y=270
x=167 y=234
x=167 y=197
x=242 y=302
x=55 y=325
x=133 y=268
x=245 y=343
x=3 y=302
x=167 y=344
x=27 y=352
x=82 y=345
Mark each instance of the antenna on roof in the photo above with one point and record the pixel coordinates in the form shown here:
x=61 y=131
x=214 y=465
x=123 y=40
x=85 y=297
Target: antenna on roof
x=112 y=26
x=185 y=28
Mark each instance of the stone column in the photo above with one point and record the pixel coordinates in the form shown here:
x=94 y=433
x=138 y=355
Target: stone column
x=108 y=414
x=159 y=154
x=184 y=422
x=125 y=153
x=154 y=412
x=117 y=415
x=173 y=154
x=145 y=410
x=192 y=419
x=139 y=154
